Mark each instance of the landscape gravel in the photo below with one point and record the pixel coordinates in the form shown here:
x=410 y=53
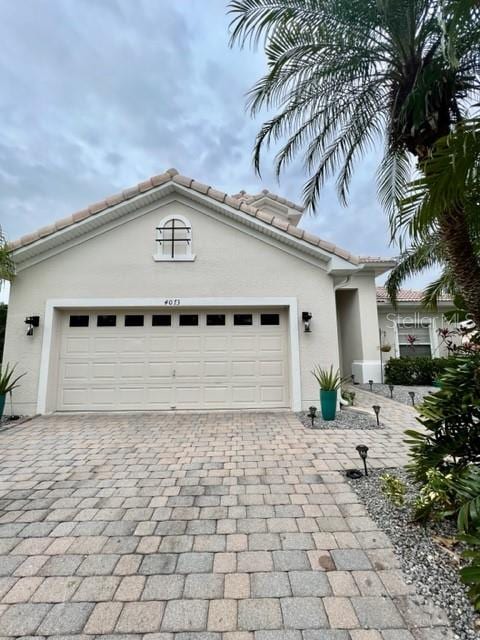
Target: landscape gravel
x=345 y=419
x=400 y=392
x=426 y=564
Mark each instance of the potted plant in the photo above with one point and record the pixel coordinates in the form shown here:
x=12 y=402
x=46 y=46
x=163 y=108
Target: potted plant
x=330 y=382
x=8 y=382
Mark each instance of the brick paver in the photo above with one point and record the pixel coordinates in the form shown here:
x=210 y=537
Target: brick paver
x=235 y=526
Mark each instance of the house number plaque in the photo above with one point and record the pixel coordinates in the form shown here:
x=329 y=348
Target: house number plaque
x=172 y=302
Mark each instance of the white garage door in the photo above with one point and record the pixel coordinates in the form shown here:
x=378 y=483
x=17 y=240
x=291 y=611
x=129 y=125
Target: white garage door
x=186 y=359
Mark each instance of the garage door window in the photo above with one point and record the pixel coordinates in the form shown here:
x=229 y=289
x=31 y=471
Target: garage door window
x=106 y=321
x=215 y=320
x=270 y=319
x=134 y=321
x=79 y=321
x=242 y=319
x=162 y=320
x=188 y=320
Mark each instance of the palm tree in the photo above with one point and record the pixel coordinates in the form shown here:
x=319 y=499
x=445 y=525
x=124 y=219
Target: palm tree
x=449 y=183
x=349 y=75
x=7 y=267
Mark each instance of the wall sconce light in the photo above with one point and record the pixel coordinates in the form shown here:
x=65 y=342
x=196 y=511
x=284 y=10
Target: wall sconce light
x=306 y=318
x=32 y=322
x=362 y=452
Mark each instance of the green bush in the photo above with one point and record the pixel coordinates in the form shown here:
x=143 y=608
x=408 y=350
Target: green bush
x=451 y=419
x=415 y=371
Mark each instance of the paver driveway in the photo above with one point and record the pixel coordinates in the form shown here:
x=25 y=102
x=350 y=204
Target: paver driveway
x=198 y=525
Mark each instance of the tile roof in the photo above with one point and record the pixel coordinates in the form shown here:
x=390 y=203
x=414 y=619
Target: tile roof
x=406 y=295
x=248 y=198
x=239 y=201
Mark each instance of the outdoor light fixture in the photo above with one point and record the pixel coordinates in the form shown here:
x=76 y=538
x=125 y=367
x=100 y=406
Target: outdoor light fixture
x=412 y=397
x=31 y=322
x=390 y=386
x=353 y=378
x=370 y=382
x=306 y=318
x=312 y=413
x=376 y=408
x=362 y=452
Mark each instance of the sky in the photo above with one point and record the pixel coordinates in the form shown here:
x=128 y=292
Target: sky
x=97 y=95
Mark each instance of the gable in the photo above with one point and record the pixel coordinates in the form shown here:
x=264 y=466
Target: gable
x=230 y=259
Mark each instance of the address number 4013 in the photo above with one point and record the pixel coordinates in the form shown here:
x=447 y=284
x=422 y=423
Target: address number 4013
x=172 y=302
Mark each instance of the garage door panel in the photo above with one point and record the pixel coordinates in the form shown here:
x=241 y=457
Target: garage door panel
x=192 y=369
x=272 y=394
x=103 y=396
x=270 y=344
x=214 y=344
x=188 y=396
x=159 y=397
x=244 y=395
x=105 y=345
x=163 y=367
x=218 y=395
x=102 y=370
x=159 y=370
x=134 y=345
x=188 y=344
x=131 y=396
x=272 y=368
x=76 y=371
x=77 y=346
x=242 y=368
x=132 y=370
x=75 y=398
x=160 y=344
x=218 y=369
x=243 y=344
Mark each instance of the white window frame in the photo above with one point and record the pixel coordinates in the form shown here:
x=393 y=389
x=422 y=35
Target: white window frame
x=159 y=256
x=399 y=324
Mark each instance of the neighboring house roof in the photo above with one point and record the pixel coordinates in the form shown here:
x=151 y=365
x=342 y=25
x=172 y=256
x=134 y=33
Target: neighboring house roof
x=406 y=295
x=238 y=202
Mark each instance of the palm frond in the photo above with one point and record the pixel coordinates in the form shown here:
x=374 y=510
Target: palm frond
x=418 y=257
x=7 y=266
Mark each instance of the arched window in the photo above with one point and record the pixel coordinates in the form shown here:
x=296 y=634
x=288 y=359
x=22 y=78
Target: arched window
x=174 y=239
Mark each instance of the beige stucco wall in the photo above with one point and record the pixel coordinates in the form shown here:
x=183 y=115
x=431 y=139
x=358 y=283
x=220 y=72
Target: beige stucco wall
x=387 y=318
x=119 y=264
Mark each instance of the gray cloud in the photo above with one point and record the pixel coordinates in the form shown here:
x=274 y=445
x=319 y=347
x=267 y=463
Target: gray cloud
x=96 y=95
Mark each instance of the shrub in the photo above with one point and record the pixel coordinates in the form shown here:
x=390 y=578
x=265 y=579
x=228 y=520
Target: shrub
x=394 y=489
x=415 y=371
x=451 y=418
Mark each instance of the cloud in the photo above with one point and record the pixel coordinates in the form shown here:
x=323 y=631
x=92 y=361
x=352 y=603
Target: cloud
x=96 y=95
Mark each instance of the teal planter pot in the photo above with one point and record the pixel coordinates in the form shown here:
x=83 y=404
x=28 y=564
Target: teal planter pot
x=328 y=404
x=2 y=404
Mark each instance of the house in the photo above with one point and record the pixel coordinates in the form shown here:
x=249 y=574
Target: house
x=173 y=295
x=410 y=330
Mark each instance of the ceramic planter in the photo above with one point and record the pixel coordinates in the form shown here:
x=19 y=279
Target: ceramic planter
x=2 y=404
x=328 y=404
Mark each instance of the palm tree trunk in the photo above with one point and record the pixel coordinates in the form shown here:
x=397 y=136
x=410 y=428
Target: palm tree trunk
x=462 y=258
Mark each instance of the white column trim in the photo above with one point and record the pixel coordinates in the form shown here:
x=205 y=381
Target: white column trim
x=163 y=302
